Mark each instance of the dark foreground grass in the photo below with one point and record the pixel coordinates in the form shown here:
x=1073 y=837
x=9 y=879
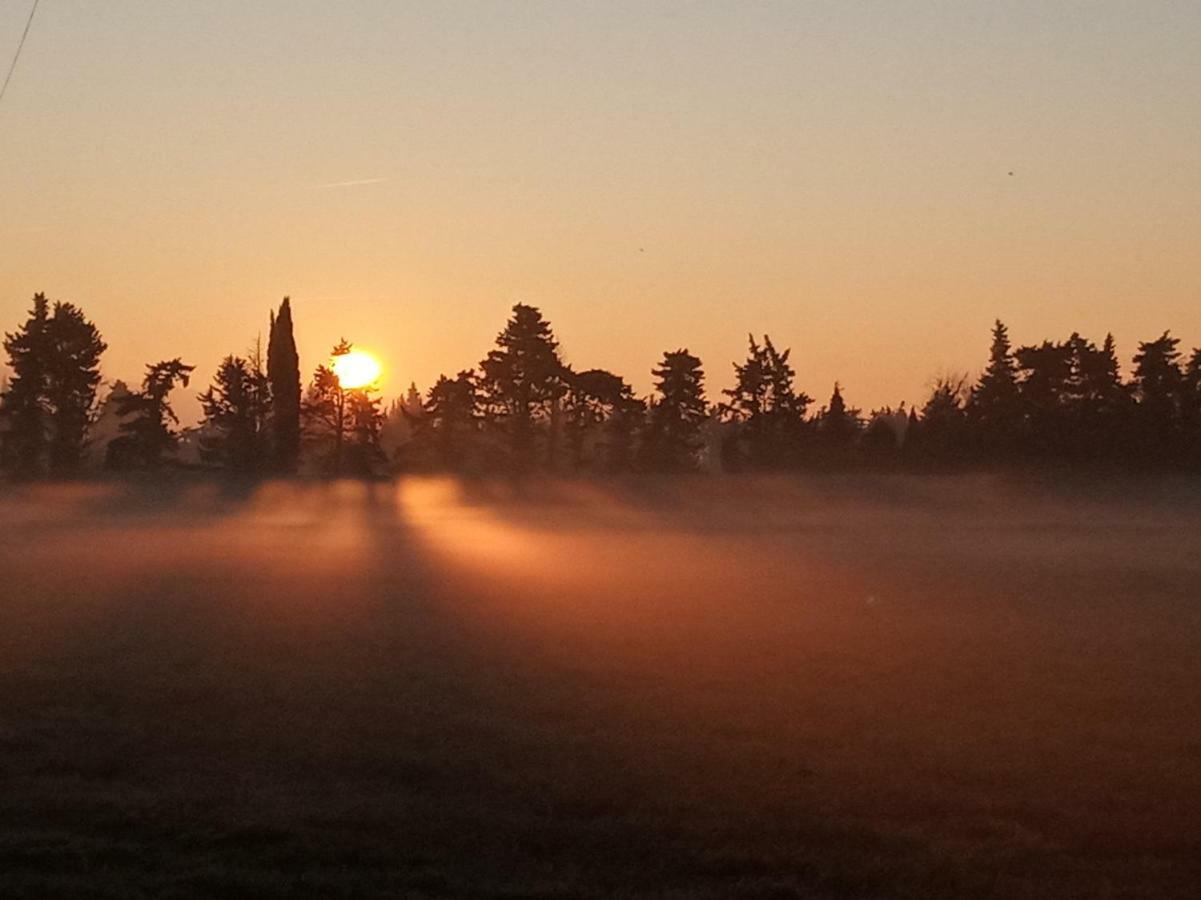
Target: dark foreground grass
x=687 y=689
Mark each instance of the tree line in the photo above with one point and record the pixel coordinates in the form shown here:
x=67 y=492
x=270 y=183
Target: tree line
x=523 y=409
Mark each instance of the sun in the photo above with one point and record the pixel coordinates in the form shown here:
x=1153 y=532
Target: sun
x=356 y=369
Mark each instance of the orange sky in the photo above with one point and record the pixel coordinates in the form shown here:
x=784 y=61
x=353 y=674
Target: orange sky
x=653 y=175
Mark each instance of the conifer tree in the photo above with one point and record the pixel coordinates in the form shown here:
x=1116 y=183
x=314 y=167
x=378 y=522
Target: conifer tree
x=283 y=373
x=447 y=429
x=234 y=429
x=994 y=408
x=24 y=401
x=602 y=416
x=55 y=358
x=677 y=412
x=521 y=382
x=148 y=434
x=838 y=426
x=1158 y=385
x=769 y=412
x=941 y=436
x=343 y=423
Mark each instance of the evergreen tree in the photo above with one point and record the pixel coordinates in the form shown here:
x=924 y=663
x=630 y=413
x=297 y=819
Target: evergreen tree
x=1045 y=379
x=1095 y=402
x=994 y=408
x=24 y=402
x=838 y=426
x=677 y=412
x=769 y=412
x=447 y=431
x=1191 y=408
x=343 y=423
x=940 y=437
x=602 y=416
x=283 y=373
x=56 y=364
x=234 y=430
x=521 y=383
x=147 y=433
x=1159 y=384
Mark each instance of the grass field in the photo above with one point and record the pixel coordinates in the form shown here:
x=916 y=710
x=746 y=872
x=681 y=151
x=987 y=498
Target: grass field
x=881 y=687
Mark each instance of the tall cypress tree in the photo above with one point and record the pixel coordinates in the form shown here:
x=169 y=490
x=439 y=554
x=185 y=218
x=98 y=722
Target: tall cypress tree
x=283 y=373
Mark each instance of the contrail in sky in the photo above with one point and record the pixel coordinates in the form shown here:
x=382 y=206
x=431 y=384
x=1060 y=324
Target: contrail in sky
x=356 y=183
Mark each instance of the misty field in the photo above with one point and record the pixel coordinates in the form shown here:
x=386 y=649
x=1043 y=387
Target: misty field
x=690 y=688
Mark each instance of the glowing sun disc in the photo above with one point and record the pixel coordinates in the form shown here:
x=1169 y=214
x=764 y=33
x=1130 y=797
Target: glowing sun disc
x=356 y=369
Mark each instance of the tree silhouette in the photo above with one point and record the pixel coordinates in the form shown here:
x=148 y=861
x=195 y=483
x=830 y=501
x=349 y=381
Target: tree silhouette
x=147 y=435
x=994 y=408
x=344 y=423
x=677 y=412
x=838 y=427
x=24 y=402
x=521 y=382
x=939 y=437
x=602 y=419
x=447 y=431
x=55 y=358
x=1158 y=385
x=768 y=410
x=1097 y=404
x=283 y=373
x=1045 y=372
x=234 y=430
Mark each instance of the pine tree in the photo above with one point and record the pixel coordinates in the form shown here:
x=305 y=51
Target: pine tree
x=55 y=359
x=941 y=433
x=74 y=376
x=677 y=412
x=234 y=429
x=602 y=416
x=148 y=434
x=1158 y=384
x=994 y=408
x=24 y=402
x=283 y=373
x=767 y=409
x=447 y=429
x=1044 y=386
x=343 y=423
x=521 y=383
x=838 y=426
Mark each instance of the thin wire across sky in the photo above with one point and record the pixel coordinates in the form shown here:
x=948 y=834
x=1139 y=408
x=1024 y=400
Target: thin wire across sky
x=20 y=46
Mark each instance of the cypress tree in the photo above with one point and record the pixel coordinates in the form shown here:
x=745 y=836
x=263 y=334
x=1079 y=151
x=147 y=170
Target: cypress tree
x=283 y=374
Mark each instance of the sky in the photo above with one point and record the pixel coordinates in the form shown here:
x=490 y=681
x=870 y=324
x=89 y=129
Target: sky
x=870 y=183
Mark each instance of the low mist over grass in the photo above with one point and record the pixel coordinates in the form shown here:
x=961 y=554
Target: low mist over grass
x=885 y=686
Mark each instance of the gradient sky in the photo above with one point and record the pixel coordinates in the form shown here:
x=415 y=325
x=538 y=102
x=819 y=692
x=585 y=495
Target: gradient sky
x=652 y=174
